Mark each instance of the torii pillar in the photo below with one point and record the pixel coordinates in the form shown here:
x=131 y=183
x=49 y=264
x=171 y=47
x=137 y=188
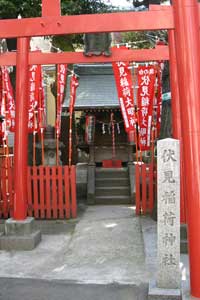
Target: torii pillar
x=176 y=115
x=188 y=64
x=21 y=131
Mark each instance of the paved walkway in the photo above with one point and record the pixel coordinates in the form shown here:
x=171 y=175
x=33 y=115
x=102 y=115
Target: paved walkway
x=109 y=246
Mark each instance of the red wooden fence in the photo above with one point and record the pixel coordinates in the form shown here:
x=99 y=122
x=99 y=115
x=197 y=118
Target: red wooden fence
x=145 y=177
x=6 y=186
x=51 y=191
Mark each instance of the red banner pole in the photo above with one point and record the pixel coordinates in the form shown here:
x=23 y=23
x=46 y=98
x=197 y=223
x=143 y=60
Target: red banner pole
x=21 y=131
x=188 y=64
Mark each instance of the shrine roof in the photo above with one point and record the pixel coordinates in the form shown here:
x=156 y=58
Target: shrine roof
x=96 y=89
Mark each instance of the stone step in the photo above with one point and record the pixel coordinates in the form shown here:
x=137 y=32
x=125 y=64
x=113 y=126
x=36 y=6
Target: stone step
x=111 y=173
x=112 y=200
x=112 y=191
x=112 y=182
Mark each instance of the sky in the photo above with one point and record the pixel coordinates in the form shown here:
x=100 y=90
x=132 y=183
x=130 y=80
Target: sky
x=122 y=3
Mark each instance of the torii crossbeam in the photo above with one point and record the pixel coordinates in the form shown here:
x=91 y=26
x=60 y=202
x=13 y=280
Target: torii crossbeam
x=183 y=19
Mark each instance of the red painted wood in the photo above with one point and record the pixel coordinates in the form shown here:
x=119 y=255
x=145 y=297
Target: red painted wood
x=50 y=9
x=159 y=53
x=67 y=196
x=144 y=188
x=35 y=192
x=137 y=186
x=112 y=163
x=4 y=188
x=48 y=192
x=41 y=192
x=176 y=117
x=151 y=191
x=21 y=130
x=10 y=189
x=73 y=191
x=112 y=22
x=186 y=18
x=54 y=192
x=60 y=192
x=30 y=199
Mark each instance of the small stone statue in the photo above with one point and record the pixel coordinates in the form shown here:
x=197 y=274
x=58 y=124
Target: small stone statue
x=97 y=44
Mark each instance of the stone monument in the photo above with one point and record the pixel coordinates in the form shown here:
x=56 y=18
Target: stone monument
x=167 y=285
x=97 y=44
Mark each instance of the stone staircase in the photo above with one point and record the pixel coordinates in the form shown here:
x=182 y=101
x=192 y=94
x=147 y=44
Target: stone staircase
x=112 y=186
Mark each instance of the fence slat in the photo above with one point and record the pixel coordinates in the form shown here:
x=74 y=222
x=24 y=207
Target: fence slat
x=73 y=192
x=67 y=201
x=41 y=187
x=144 y=189
x=60 y=193
x=1 y=195
x=29 y=186
x=35 y=193
x=137 y=187
x=151 y=188
x=54 y=193
x=4 y=188
x=11 y=190
x=48 y=192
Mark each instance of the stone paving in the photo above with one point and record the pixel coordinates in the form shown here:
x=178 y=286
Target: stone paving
x=109 y=245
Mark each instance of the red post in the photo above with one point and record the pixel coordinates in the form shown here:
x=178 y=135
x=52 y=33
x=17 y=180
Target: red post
x=50 y=8
x=186 y=20
x=21 y=131
x=176 y=113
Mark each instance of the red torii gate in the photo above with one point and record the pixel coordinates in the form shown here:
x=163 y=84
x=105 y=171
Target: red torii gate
x=182 y=21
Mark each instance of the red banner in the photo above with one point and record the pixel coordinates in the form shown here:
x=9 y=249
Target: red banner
x=146 y=92
x=73 y=87
x=123 y=79
x=61 y=83
x=89 y=129
x=158 y=102
x=7 y=102
x=34 y=92
x=41 y=103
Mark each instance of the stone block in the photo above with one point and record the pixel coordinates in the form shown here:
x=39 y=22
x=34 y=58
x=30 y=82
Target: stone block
x=156 y=293
x=20 y=235
x=24 y=227
x=21 y=243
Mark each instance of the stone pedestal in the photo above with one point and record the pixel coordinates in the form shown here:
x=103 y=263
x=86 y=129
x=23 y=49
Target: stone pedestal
x=20 y=235
x=156 y=293
x=167 y=284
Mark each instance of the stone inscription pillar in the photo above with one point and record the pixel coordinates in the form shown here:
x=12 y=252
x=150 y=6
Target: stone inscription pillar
x=167 y=284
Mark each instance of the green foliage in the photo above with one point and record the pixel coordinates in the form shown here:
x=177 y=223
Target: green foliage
x=26 y=8
x=136 y=39
x=77 y=7
x=32 y=8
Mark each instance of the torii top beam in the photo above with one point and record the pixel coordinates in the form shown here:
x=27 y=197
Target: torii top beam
x=112 y=22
